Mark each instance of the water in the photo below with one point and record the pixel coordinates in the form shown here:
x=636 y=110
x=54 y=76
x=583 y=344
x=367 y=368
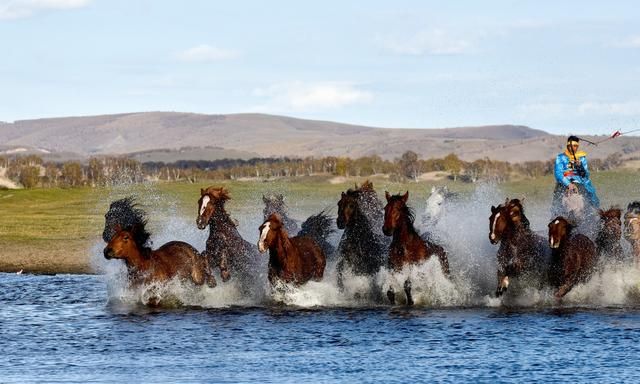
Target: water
x=69 y=328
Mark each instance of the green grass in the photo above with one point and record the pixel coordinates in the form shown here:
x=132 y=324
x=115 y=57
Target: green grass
x=51 y=217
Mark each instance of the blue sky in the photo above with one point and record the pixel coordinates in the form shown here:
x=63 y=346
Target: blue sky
x=569 y=66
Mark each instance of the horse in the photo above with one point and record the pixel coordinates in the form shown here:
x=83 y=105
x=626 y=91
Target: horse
x=574 y=256
x=407 y=247
x=435 y=205
x=360 y=248
x=320 y=228
x=608 y=240
x=225 y=248
x=574 y=205
x=274 y=203
x=293 y=260
x=632 y=229
x=144 y=265
x=126 y=213
x=521 y=251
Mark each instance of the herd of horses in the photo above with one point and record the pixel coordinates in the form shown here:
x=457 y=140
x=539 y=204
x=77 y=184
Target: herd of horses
x=374 y=236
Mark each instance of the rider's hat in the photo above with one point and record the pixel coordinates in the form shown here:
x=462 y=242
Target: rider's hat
x=573 y=139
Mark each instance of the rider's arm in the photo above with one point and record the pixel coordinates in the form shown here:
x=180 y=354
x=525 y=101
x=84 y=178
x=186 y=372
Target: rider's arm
x=559 y=169
x=583 y=162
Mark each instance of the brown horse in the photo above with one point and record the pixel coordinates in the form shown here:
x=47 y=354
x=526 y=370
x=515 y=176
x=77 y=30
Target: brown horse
x=291 y=259
x=225 y=247
x=574 y=256
x=608 y=239
x=632 y=229
x=407 y=247
x=144 y=265
x=521 y=252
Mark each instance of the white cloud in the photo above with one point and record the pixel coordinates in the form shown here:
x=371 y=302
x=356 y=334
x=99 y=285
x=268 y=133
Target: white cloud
x=206 y=53
x=303 y=96
x=629 y=42
x=432 y=42
x=17 y=9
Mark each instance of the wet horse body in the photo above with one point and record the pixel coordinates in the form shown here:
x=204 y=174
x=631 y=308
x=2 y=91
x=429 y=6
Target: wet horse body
x=574 y=256
x=608 y=240
x=144 y=265
x=360 y=249
x=293 y=260
x=521 y=251
x=407 y=247
x=225 y=247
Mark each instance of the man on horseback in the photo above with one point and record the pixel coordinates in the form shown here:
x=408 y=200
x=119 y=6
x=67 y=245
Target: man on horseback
x=572 y=176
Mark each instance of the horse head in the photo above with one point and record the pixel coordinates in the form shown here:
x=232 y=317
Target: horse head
x=611 y=222
x=269 y=231
x=434 y=204
x=395 y=210
x=347 y=208
x=124 y=243
x=211 y=201
x=274 y=203
x=559 y=230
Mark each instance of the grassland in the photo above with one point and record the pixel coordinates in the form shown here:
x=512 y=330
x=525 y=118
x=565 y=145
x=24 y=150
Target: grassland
x=52 y=230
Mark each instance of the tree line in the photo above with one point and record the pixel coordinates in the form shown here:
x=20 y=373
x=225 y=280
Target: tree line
x=31 y=171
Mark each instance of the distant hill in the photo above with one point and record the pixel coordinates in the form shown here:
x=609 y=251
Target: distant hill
x=154 y=136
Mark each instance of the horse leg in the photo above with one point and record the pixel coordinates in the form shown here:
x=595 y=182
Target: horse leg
x=224 y=269
x=407 y=291
x=503 y=284
x=391 y=294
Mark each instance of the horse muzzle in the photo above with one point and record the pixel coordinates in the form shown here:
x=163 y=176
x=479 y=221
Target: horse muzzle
x=201 y=223
x=108 y=253
x=387 y=231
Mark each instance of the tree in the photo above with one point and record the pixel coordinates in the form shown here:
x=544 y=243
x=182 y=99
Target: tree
x=29 y=176
x=409 y=165
x=453 y=165
x=72 y=174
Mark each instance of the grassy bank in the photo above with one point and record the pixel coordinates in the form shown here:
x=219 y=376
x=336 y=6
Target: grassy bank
x=52 y=230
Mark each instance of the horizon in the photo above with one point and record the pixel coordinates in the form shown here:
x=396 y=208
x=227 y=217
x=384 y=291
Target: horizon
x=560 y=68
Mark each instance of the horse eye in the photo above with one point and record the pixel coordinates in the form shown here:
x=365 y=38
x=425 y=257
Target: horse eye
x=126 y=237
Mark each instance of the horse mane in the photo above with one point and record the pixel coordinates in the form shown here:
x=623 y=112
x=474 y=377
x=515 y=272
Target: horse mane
x=366 y=186
x=216 y=193
x=634 y=208
x=612 y=212
x=518 y=203
x=128 y=215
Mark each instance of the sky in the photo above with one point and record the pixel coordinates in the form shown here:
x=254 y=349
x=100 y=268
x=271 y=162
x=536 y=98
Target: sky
x=560 y=66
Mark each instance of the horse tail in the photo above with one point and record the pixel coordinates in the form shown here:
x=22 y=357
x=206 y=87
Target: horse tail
x=319 y=227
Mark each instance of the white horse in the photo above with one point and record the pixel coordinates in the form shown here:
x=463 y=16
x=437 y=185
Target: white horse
x=435 y=205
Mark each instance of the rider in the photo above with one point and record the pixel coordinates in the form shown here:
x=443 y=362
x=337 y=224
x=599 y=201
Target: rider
x=570 y=171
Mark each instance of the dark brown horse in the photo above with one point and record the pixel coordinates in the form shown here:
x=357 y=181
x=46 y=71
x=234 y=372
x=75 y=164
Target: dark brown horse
x=632 y=229
x=608 y=240
x=521 y=252
x=291 y=259
x=360 y=249
x=407 y=247
x=574 y=256
x=144 y=265
x=274 y=203
x=225 y=247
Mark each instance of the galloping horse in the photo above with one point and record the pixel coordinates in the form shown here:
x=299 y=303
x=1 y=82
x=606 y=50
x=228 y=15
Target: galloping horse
x=435 y=205
x=291 y=259
x=360 y=248
x=574 y=256
x=225 y=247
x=521 y=250
x=632 y=229
x=407 y=247
x=608 y=239
x=144 y=265
x=274 y=203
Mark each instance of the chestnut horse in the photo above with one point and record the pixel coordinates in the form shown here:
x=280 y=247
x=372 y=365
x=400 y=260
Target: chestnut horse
x=608 y=239
x=407 y=247
x=574 y=256
x=632 y=229
x=360 y=249
x=521 y=251
x=274 y=203
x=225 y=247
x=291 y=259
x=144 y=265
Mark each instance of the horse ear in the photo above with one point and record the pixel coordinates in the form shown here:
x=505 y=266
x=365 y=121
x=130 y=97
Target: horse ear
x=201 y=191
x=343 y=194
x=405 y=197
x=506 y=201
x=493 y=209
x=601 y=212
x=387 y=195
